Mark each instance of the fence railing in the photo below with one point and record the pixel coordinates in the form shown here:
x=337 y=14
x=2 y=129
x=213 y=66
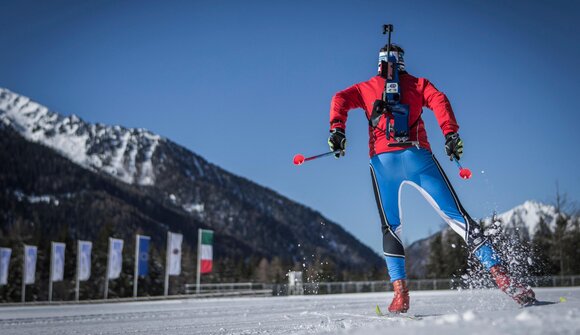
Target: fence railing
x=226 y=287
x=360 y=286
x=557 y=281
x=366 y=286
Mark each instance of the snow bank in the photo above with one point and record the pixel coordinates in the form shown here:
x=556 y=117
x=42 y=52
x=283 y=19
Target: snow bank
x=440 y=312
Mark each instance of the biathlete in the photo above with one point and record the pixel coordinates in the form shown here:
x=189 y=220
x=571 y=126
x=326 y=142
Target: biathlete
x=393 y=164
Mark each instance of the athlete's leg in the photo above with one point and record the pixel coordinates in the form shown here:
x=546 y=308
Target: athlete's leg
x=387 y=173
x=429 y=178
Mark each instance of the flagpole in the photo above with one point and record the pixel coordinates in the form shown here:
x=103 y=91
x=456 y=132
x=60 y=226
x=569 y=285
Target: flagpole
x=198 y=277
x=50 y=273
x=77 y=283
x=23 y=292
x=107 y=270
x=136 y=275
x=167 y=255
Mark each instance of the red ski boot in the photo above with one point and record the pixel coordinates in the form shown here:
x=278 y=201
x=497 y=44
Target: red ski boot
x=521 y=294
x=400 y=302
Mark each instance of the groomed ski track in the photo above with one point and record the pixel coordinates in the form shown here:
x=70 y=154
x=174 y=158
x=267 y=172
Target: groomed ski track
x=442 y=312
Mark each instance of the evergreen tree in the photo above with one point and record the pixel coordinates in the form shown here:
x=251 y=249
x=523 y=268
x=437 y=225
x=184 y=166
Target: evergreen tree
x=263 y=271
x=561 y=241
x=542 y=246
x=573 y=248
x=435 y=262
x=454 y=255
x=279 y=270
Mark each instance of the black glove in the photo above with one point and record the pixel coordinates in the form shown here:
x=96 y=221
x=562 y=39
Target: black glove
x=337 y=141
x=453 y=146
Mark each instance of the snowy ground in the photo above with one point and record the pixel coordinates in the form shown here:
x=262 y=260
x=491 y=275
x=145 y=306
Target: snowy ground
x=442 y=312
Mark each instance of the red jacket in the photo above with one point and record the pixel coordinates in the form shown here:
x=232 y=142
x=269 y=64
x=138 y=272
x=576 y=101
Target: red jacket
x=416 y=92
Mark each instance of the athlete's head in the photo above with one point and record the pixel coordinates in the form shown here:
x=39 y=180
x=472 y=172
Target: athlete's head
x=395 y=51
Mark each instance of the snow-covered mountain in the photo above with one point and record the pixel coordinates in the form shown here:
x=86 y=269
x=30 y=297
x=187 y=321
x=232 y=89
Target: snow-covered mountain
x=525 y=217
x=121 y=152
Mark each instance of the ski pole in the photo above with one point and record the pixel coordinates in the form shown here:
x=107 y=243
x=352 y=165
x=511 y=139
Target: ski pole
x=300 y=159
x=464 y=173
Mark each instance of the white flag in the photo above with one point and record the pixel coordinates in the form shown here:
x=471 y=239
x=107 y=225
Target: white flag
x=115 y=258
x=174 y=252
x=5 y=254
x=29 y=264
x=57 y=259
x=84 y=260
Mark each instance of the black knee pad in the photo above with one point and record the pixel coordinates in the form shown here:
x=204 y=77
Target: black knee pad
x=391 y=245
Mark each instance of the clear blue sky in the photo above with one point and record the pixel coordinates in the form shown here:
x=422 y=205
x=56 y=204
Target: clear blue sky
x=247 y=84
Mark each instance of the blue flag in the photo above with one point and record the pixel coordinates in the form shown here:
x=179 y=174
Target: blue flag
x=143 y=252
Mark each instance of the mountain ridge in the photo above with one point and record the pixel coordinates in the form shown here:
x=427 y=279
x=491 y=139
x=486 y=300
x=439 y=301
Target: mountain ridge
x=124 y=153
x=259 y=217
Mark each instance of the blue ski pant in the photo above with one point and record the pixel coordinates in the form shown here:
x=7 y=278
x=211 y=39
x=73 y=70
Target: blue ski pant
x=419 y=168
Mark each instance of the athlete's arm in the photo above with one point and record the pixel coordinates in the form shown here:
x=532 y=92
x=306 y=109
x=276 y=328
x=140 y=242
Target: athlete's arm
x=341 y=103
x=440 y=105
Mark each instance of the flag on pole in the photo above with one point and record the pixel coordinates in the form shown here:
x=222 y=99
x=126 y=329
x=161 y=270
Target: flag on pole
x=57 y=259
x=206 y=251
x=143 y=255
x=115 y=258
x=84 y=260
x=5 y=254
x=174 y=252
x=29 y=264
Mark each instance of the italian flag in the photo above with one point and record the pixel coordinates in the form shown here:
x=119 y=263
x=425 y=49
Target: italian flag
x=205 y=250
